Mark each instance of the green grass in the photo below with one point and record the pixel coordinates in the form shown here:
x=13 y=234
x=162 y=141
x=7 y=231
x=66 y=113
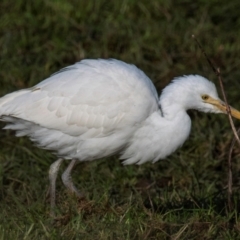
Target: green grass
x=183 y=197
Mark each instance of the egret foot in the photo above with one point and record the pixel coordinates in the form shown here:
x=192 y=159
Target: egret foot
x=67 y=180
x=53 y=171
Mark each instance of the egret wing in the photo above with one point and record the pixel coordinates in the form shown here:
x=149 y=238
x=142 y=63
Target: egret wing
x=90 y=98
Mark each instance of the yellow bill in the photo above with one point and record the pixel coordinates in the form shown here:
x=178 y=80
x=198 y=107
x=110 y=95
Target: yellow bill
x=222 y=106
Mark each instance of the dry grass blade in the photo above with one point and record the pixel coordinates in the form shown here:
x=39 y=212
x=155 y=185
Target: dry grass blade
x=178 y=235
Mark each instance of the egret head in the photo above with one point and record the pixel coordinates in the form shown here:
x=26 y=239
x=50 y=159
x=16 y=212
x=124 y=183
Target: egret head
x=195 y=92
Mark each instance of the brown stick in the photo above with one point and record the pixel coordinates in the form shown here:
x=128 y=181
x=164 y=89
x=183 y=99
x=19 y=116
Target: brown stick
x=236 y=138
x=228 y=107
x=230 y=206
x=218 y=73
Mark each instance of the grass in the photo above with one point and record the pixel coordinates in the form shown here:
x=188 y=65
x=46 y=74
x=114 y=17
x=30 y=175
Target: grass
x=183 y=197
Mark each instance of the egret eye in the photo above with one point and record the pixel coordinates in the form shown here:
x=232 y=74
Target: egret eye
x=205 y=97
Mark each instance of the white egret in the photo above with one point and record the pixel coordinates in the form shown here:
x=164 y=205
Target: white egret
x=97 y=108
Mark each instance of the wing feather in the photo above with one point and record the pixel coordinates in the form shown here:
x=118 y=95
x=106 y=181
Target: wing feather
x=92 y=98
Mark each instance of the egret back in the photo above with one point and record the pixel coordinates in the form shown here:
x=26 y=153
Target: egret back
x=86 y=111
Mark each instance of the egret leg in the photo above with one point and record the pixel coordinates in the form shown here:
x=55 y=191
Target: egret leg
x=53 y=171
x=67 y=179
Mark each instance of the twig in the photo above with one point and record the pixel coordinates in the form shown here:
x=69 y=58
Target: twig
x=235 y=132
x=218 y=74
x=236 y=138
x=209 y=61
x=228 y=107
x=230 y=172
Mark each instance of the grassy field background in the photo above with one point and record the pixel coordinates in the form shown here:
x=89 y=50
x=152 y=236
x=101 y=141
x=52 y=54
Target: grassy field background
x=183 y=197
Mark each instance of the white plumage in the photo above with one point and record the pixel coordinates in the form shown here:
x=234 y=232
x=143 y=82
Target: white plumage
x=97 y=108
